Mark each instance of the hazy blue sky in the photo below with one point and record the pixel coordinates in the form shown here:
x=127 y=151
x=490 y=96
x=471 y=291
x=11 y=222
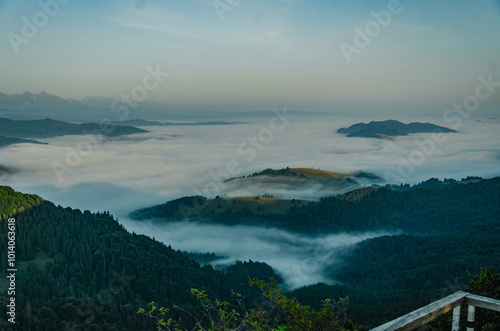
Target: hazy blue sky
x=262 y=54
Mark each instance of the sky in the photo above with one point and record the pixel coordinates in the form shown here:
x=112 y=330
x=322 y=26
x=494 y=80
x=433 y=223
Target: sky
x=253 y=55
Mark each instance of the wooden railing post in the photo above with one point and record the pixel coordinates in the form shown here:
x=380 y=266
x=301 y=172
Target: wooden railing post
x=455 y=324
x=424 y=315
x=470 y=317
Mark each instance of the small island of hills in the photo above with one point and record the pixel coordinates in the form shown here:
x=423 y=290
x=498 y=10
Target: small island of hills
x=17 y=132
x=390 y=128
x=48 y=128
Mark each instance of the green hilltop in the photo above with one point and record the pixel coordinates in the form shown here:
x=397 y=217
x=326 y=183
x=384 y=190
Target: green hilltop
x=311 y=174
x=12 y=202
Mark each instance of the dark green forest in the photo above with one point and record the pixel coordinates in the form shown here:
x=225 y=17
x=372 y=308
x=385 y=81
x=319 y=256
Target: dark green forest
x=426 y=208
x=83 y=271
x=450 y=228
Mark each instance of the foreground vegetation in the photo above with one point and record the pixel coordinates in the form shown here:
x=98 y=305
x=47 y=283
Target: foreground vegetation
x=280 y=313
x=285 y=313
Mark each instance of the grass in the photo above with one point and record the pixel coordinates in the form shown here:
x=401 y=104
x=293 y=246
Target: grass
x=319 y=173
x=262 y=206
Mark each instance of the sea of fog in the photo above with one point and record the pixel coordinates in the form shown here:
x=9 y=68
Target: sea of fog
x=299 y=259
x=122 y=174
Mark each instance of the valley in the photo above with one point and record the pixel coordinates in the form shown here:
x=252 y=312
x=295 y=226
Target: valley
x=370 y=268
x=249 y=165
x=324 y=232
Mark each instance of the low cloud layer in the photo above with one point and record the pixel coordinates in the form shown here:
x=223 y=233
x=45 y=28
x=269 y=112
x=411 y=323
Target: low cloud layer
x=171 y=162
x=291 y=187
x=121 y=175
x=298 y=258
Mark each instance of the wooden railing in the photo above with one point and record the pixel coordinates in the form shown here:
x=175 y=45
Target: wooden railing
x=424 y=315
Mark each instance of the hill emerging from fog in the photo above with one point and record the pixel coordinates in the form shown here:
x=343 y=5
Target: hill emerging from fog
x=49 y=128
x=298 y=183
x=430 y=209
x=390 y=128
x=5 y=141
x=311 y=174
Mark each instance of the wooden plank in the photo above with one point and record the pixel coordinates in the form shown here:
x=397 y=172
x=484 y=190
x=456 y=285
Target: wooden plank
x=428 y=313
x=455 y=323
x=425 y=314
x=471 y=317
x=483 y=302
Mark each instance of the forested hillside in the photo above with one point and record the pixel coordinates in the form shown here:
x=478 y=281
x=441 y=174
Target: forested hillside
x=425 y=208
x=84 y=271
x=452 y=228
x=389 y=276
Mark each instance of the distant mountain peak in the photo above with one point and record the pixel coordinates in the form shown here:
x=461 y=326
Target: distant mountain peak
x=40 y=100
x=45 y=100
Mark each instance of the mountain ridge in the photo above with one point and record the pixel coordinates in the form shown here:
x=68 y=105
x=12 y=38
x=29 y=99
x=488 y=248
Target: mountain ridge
x=364 y=209
x=48 y=128
x=46 y=101
x=39 y=101
x=390 y=128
